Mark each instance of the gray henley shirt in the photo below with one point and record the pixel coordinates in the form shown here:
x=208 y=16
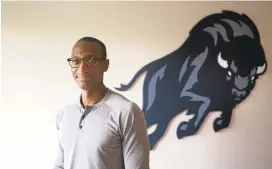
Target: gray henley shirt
x=111 y=134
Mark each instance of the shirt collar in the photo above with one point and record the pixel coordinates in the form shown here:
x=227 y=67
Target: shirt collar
x=102 y=101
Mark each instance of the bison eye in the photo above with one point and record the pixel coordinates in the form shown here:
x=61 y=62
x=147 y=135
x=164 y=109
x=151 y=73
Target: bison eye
x=229 y=73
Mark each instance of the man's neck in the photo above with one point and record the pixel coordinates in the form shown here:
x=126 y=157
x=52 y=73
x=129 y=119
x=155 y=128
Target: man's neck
x=89 y=98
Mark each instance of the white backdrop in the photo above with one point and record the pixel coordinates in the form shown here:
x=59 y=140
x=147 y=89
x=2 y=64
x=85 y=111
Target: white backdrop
x=36 y=81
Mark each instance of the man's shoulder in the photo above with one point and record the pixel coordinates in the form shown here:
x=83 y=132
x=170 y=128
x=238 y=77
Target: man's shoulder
x=128 y=114
x=66 y=106
x=120 y=103
x=72 y=103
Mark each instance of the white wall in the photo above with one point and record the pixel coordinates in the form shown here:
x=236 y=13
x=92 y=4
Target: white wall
x=36 y=80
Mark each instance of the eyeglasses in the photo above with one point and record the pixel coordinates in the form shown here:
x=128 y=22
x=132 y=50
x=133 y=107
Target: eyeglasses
x=89 y=61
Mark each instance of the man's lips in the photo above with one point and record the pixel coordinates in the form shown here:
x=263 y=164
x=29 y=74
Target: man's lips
x=82 y=77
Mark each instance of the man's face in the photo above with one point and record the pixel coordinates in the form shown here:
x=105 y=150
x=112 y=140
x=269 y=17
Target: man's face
x=88 y=75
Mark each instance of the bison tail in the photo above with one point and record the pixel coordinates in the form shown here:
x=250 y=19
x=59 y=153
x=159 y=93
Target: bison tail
x=136 y=76
x=123 y=87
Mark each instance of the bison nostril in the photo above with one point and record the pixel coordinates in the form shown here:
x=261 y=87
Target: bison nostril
x=233 y=91
x=237 y=93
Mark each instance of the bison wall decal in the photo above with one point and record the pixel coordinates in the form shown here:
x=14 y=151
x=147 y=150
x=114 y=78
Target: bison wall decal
x=215 y=69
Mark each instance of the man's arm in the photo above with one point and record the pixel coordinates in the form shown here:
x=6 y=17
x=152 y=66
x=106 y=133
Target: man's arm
x=58 y=163
x=134 y=138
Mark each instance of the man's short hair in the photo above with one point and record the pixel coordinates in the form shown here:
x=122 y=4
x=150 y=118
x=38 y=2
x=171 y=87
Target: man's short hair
x=92 y=39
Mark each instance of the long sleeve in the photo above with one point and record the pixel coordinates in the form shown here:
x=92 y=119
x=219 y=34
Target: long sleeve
x=58 y=164
x=134 y=138
x=59 y=158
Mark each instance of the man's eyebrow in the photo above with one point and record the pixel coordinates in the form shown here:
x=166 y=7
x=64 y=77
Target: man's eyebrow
x=89 y=55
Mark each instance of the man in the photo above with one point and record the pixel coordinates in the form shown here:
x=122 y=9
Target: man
x=103 y=129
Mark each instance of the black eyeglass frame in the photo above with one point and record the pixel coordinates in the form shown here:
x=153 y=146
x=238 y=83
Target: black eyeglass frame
x=89 y=61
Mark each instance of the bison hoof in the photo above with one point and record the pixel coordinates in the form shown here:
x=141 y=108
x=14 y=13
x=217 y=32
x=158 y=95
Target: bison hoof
x=219 y=124
x=185 y=129
x=152 y=143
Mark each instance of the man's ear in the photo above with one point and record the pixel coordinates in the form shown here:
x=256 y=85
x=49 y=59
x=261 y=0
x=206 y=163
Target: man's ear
x=106 y=65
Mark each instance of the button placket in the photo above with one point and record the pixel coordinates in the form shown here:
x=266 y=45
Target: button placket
x=86 y=111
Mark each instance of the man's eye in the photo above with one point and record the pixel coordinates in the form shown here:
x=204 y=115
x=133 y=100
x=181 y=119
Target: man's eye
x=93 y=60
x=88 y=59
x=76 y=61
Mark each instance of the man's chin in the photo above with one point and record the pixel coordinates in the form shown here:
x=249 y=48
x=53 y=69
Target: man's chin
x=83 y=86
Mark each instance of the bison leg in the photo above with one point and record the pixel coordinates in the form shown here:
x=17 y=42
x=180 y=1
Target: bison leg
x=157 y=134
x=223 y=121
x=191 y=127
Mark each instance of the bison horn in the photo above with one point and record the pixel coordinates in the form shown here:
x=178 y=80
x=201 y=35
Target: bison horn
x=260 y=69
x=223 y=63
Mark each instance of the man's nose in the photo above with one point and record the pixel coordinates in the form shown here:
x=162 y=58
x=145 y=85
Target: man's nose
x=83 y=68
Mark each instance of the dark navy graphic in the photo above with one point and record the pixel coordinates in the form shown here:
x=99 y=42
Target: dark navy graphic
x=215 y=69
